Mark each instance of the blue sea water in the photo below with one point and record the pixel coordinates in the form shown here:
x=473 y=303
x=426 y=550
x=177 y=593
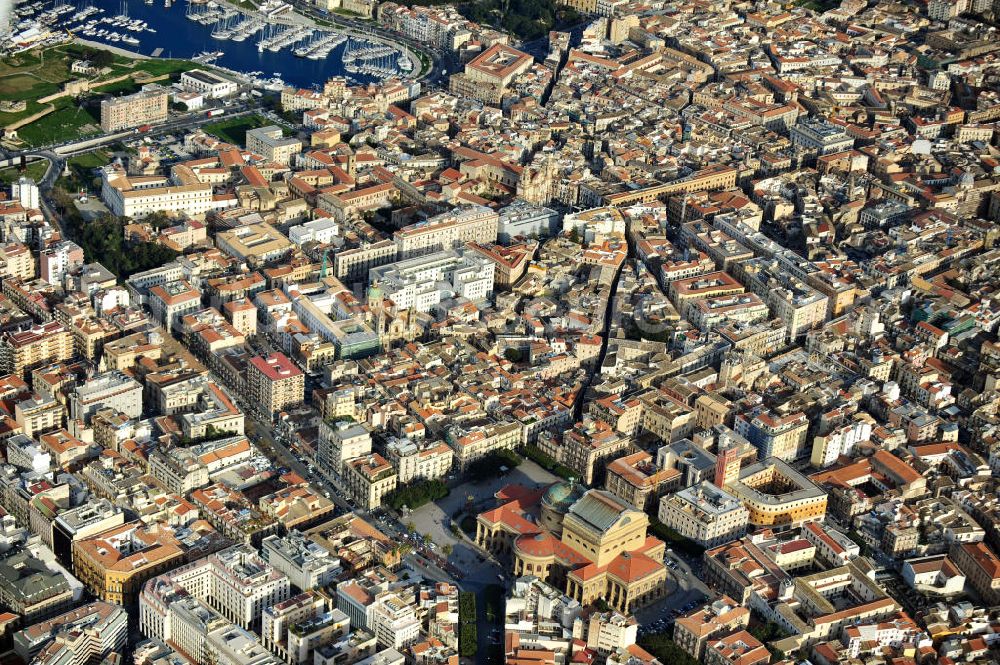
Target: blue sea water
x=180 y=37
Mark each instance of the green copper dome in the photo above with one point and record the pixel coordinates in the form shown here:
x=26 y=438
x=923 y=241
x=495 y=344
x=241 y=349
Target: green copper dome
x=560 y=496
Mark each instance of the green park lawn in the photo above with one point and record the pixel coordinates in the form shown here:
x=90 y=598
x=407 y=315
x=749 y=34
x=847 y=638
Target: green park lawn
x=234 y=130
x=34 y=74
x=67 y=122
x=35 y=170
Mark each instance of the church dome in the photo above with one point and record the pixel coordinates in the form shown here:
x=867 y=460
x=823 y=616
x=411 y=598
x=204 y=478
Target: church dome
x=560 y=496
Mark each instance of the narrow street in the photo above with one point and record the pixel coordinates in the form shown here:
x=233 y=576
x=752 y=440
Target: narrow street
x=609 y=309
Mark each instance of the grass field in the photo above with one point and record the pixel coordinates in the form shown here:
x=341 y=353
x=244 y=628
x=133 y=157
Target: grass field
x=34 y=170
x=25 y=86
x=158 y=67
x=34 y=74
x=29 y=76
x=124 y=87
x=234 y=130
x=81 y=169
x=31 y=108
x=64 y=124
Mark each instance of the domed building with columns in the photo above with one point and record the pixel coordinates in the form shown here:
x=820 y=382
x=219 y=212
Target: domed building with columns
x=590 y=543
x=555 y=504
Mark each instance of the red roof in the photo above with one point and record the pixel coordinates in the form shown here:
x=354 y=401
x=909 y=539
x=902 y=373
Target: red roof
x=276 y=366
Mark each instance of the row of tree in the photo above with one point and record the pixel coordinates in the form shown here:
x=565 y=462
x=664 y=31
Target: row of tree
x=491 y=464
x=527 y=19
x=103 y=241
x=417 y=494
x=467 y=635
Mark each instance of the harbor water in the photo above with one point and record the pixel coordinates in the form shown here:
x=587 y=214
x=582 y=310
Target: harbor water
x=211 y=33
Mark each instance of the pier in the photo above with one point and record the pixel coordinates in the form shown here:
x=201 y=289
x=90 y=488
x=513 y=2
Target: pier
x=155 y=28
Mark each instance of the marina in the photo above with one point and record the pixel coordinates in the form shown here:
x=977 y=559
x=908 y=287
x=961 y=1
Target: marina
x=220 y=35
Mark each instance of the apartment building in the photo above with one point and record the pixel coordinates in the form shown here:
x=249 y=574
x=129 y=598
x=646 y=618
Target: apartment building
x=827 y=448
x=774 y=434
x=821 y=136
x=278 y=622
x=58 y=260
x=23 y=351
x=416 y=460
x=25 y=191
x=85 y=635
x=352 y=266
x=16 y=260
x=693 y=631
x=427 y=280
x=609 y=631
x=509 y=263
x=235 y=582
x=340 y=442
x=33 y=585
x=740 y=648
x=439 y=27
x=275 y=383
x=24 y=452
x=112 y=390
x=589 y=446
x=706 y=514
x=759 y=339
x=636 y=479
x=256 y=243
x=306 y=564
x=710 y=313
x=84 y=521
x=448 y=230
x=270 y=143
x=38 y=413
x=778 y=496
x=474 y=443
x=798 y=305
x=306 y=636
x=981 y=567
x=242 y=314
x=684 y=292
x=369 y=479
x=172 y=301
x=114 y=564
x=179 y=470
x=146 y=107
x=945 y=10
x=394 y=621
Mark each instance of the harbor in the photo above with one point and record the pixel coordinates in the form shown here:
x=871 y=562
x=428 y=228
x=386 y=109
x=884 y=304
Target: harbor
x=247 y=43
